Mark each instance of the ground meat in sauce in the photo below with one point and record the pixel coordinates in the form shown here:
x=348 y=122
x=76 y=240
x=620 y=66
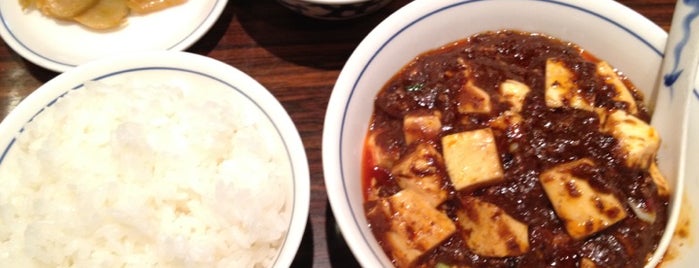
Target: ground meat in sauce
x=546 y=137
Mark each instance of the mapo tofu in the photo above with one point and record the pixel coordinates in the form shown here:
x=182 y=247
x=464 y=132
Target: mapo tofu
x=513 y=149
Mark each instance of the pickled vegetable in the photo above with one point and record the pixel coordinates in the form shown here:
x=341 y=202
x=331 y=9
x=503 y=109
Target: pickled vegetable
x=65 y=9
x=97 y=14
x=148 y=6
x=106 y=14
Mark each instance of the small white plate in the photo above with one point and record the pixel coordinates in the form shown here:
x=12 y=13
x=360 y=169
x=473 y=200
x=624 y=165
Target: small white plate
x=60 y=46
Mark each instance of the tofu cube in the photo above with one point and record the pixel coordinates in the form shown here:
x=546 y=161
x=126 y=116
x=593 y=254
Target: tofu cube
x=472 y=99
x=422 y=171
x=584 y=210
x=623 y=94
x=472 y=158
x=587 y=263
x=637 y=140
x=381 y=156
x=489 y=231
x=415 y=227
x=422 y=127
x=506 y=120
x=514 y=92
x=561 y=90
x=659 y=180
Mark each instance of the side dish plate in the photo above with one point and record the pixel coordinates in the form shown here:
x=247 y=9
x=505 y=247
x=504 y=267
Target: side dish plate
x=60 y=46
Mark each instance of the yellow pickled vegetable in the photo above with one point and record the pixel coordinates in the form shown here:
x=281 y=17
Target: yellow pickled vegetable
x=105 y=15
x=147 y=6
x=26 y=3
x=97 y=14
x=65 y=9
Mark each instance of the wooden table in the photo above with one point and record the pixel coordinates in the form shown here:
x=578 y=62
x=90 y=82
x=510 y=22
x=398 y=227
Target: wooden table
x=298 y=60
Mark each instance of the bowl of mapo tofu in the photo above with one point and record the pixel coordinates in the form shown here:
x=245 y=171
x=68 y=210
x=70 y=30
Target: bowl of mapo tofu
x=502 y=134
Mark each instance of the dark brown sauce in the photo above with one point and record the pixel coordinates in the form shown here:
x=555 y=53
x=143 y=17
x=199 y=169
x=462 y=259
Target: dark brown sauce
x=547 y=137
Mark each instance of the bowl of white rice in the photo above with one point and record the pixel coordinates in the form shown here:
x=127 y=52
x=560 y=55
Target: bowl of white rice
x=160 y=159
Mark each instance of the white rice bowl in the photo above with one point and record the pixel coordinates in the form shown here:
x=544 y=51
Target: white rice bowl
x=132 y=174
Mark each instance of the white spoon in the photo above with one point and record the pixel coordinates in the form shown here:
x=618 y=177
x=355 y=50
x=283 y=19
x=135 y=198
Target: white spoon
x=671 y=112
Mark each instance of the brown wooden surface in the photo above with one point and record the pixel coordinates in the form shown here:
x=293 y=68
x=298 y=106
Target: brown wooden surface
x=298 y=60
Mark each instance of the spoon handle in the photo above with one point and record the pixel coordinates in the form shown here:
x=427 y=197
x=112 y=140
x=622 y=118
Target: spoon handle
x=682 y=50
x=676 y=88
x=671 y=112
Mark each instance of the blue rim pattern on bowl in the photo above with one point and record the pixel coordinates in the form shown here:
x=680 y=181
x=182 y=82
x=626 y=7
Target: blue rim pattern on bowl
x=9 y=30
x=334 y=11
x=6 y=150
x=466 y=2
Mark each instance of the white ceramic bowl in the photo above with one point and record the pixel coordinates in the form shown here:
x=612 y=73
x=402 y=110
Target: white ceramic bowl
x=606 y=29
x=334 y=9
x=195 y=72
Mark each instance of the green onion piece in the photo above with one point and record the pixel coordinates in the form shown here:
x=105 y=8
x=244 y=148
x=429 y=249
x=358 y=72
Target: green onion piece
x=415 y=87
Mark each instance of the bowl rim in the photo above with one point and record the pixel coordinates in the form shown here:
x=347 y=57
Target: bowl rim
x=630 y=21
x=200 y=66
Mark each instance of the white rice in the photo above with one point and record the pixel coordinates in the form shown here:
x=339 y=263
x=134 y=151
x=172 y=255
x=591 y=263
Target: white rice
x=120 y=176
